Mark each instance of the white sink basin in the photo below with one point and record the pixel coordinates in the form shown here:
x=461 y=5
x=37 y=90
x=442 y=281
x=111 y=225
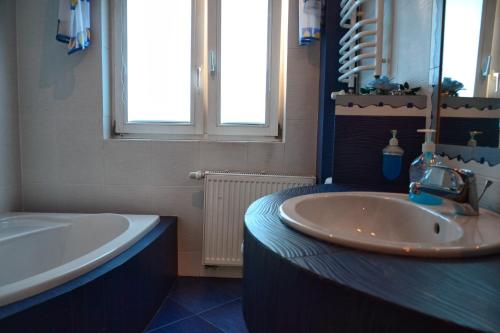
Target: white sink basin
x=390 y=223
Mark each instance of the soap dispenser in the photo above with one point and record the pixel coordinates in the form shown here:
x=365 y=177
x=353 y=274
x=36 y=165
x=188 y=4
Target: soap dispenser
x=392 y=159
x=419 y=167
x=472 y=141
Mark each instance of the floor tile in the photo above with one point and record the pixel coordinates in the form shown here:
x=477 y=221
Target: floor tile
x=201 y=294
x=169 y=312
x=190 y=325
x=228 y=317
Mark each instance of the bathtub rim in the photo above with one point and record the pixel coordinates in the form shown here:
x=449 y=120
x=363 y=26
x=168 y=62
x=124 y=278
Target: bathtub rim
x=45 y=281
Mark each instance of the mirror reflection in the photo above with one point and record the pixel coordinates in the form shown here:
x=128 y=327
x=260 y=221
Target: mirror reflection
x=470 y=91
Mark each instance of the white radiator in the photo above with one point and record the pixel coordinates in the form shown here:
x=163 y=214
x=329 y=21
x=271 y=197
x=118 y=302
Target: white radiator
x=227 y=197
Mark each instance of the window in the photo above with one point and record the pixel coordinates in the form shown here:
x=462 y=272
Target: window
x=461 y=42
x=201 y=68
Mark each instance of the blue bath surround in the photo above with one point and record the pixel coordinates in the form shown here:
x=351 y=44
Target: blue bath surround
x=121 y=295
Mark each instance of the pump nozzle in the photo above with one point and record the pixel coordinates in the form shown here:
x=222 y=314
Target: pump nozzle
x=394 y=140
x=428 y=146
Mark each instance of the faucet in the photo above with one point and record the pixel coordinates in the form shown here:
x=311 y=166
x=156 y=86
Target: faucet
x=457 y=185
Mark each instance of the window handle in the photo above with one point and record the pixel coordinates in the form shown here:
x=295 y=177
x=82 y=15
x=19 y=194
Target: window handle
x=486 y=66
x=198 y=77
x=213 y=64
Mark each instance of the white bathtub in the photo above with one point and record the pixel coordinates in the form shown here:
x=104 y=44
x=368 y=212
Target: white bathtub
x=41 y=251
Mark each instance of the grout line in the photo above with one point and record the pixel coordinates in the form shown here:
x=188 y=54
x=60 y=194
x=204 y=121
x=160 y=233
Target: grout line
x=214 y=307
x=191 y=316
x=209 y=323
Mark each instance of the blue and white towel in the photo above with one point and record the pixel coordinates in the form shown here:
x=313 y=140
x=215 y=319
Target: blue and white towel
x=73 y=24
x=309 y=21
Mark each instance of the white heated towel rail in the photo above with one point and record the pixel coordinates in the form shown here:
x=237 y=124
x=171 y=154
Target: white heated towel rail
x=363 y=40
x=227 y=197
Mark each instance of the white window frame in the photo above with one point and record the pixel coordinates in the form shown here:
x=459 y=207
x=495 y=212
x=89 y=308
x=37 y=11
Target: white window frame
x=120 y=104
x=205 y=94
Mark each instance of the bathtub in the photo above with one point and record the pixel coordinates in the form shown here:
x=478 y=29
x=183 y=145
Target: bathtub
x=42 y=251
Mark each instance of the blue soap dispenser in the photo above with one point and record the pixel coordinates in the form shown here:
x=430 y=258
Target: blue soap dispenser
x=420 y=166
x=392 y=159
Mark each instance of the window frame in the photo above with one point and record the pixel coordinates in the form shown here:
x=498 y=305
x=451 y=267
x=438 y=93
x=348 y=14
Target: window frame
x=120 y=86
x=214 y=125
x=205 y=89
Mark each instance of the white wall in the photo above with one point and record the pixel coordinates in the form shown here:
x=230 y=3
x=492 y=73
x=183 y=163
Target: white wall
x=10 y=177
x=68 y=166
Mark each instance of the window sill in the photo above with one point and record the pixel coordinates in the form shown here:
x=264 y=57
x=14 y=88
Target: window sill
x=197 y=138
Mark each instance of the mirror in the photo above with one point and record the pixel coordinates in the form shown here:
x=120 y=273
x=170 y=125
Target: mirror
x=469 y=98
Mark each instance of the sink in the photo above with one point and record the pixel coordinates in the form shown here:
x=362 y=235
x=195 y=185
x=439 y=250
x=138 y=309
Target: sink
x=390 y=223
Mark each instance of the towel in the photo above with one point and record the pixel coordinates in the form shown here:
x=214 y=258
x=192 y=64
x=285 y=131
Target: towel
x=309 y=21
x=73 y=24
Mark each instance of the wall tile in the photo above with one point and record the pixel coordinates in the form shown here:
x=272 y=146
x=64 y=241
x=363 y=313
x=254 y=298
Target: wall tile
x=187 y=204
x=41 y=197
x=293 y=24
x=10 y=198
x=39 y=148
x=10 y=165
x=10 y=169
x=83 y=199
x=172 y=162
x=303 y=65
x=266 y=157
x=303 y=85
x=223 y=156
x=127 y=162
x=300 y=148
x=80 y=162
x=189 y=263
x=128 y=199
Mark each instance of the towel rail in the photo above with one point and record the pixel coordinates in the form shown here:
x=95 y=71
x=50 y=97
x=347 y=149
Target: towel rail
x=355 y=49
x=354 y=29
x=362 y=45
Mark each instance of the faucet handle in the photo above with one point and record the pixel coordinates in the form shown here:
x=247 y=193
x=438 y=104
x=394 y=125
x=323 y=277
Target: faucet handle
x=486 y=186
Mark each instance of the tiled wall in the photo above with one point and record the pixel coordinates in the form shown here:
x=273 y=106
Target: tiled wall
x=68 y=166
x=10 y=177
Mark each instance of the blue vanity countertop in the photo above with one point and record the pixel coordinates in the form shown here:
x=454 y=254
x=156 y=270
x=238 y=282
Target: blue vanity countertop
x=462 y=291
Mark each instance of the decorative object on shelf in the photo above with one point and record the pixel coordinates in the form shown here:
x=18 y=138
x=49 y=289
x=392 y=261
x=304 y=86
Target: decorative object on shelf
x=451 y=87
x=405 y=89
x=384 y=86
x=380 y=86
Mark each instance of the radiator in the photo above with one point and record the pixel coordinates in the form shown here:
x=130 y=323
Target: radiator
x=227 y=197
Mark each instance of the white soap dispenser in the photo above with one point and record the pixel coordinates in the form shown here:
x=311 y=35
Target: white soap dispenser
x=392 y=159
x=419 y=167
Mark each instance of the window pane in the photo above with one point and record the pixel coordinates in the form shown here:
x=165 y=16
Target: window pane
x=243 y=61
x=159 y=60
x=461 y=42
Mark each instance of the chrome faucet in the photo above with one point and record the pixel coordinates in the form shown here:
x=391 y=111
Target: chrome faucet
x=457 y=185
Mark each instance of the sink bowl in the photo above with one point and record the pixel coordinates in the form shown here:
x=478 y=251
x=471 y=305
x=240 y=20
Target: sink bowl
x=390 y=223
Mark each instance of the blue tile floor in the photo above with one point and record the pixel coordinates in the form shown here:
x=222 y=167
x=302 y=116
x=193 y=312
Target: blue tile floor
x=202 y=305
